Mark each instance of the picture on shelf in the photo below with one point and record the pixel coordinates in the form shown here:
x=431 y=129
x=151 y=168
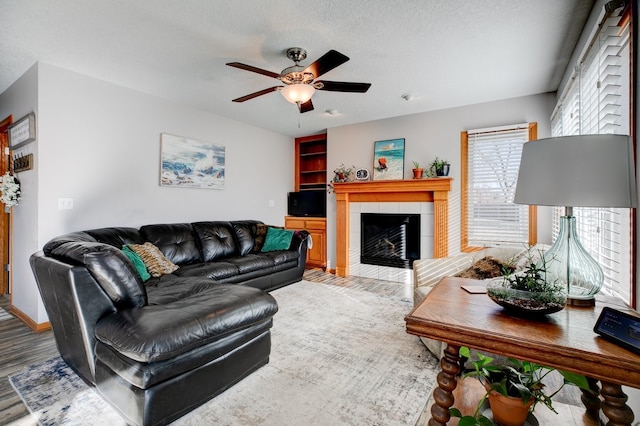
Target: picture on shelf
x=388 y=159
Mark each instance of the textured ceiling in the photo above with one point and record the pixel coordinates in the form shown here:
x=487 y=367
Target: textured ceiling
x=445 y=53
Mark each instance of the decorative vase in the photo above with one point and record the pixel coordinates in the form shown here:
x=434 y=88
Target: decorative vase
x=508 y=410
x=417 y=173
x=444 y=171
x=572 y=266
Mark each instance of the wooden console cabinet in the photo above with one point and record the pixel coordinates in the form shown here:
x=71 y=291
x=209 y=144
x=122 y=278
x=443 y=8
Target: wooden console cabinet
x=317 y=227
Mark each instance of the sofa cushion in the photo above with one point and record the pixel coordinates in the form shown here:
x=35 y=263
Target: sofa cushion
x=157 y=264
x=117 y=237
x=251 y=262
x=245 y=234
x=218 y=270
x=177 y=241
x=144 y=375
x=137 y=262
x=217 y=240
x=277 y=239
x=282 y=256
x=116 y=276
x=160 y=332
x=170 y=288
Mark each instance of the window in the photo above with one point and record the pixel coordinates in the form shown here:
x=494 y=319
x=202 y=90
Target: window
x=490 y=163
x=596 y=102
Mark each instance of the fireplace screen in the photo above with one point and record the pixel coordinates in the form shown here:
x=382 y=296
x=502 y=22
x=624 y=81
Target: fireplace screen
x=390 y=239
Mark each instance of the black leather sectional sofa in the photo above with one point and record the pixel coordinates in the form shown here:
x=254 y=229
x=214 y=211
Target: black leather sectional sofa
x=158 y=349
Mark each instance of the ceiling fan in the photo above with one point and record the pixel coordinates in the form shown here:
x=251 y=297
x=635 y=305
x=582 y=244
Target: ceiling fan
x=300 y=83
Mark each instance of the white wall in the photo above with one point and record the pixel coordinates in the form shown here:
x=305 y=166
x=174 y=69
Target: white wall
x=18 y=100
x=99 y=144
x=432 y=134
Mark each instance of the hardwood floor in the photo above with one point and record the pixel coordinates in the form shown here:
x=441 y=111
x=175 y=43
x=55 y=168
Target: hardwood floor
x=20 y=346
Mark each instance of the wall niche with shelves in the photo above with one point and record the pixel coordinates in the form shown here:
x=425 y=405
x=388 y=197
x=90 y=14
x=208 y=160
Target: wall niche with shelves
x=311 y=163
x=311 y=175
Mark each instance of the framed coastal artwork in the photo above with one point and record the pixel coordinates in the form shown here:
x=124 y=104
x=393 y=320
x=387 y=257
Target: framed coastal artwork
x=190 y=163
x=388 y=159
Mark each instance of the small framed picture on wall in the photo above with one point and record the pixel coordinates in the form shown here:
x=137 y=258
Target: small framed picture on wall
x=388 y=159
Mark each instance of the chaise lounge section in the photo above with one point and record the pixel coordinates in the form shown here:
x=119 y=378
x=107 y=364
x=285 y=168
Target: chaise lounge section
x=157 y=349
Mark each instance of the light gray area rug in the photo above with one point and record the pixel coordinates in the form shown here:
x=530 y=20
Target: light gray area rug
x=339 y=357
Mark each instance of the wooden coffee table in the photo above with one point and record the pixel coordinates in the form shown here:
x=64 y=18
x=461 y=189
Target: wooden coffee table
x=564 y=340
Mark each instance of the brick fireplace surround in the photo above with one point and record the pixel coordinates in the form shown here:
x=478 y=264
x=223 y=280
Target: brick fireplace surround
x=434 y=190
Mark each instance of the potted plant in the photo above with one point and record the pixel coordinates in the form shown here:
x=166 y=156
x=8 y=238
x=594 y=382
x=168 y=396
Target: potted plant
x=417 y=170
x=514 y=388
x=528 y=292
x=440 y=167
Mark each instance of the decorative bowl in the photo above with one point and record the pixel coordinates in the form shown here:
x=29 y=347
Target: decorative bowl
x=526 y=302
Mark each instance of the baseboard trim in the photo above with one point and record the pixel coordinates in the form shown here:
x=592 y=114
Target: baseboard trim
x=37 y=327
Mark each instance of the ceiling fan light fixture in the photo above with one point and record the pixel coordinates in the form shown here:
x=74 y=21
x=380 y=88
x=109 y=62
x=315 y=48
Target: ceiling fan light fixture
x=298 y=93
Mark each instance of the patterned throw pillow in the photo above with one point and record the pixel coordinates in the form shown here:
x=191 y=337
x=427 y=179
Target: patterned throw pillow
x=261 y=233
x=157 y=264
x=487 y=267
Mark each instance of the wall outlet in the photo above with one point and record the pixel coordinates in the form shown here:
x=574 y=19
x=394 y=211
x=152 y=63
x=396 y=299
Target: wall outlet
x=272 y=203
x=65 y=203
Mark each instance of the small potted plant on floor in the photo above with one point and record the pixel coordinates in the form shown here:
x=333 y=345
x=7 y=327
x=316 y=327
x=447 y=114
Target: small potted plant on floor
x=514 y=388
x=417 y=170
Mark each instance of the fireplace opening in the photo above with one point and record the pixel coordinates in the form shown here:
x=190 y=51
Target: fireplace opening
x=390 y=239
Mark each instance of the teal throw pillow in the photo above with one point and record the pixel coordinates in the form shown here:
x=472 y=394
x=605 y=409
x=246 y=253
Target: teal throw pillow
x=137 y=262
x=277 y=239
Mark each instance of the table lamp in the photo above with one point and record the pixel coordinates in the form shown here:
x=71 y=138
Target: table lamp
x=576 y=171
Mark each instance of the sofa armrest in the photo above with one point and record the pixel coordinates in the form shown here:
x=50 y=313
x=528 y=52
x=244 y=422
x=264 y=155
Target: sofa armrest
x=427 y=272
x=300 y=240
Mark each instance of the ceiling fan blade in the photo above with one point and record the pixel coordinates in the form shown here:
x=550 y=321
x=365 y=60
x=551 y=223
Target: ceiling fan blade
x=256 y=94
x=253 y=69
x=344 y=86
x=326 y=63
x=306 y=107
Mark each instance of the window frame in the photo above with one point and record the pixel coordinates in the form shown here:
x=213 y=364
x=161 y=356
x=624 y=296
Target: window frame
x=532 y=129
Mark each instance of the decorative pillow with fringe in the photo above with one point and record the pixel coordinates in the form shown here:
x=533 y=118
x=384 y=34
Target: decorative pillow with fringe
x=487 y=267
x=157 y=264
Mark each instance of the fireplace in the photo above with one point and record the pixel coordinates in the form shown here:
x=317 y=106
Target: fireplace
x=390 y=239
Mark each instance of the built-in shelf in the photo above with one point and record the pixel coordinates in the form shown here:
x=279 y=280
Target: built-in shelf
x=311 y=175
x=311 y=163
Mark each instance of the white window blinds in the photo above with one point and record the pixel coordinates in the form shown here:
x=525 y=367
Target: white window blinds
x=493 y=160
x=596 y=102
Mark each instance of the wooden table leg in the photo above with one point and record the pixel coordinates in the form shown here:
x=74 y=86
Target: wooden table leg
x=614 y=405
x=591 y=400
x=443 y=394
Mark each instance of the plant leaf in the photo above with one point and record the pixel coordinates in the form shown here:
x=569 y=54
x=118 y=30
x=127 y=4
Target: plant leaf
x=575 y=379
x=454 y=412
x=483 y=421
x=468 y=421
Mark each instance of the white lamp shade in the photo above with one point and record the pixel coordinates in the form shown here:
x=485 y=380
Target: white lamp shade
x=297 y=93
x=578 y=171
